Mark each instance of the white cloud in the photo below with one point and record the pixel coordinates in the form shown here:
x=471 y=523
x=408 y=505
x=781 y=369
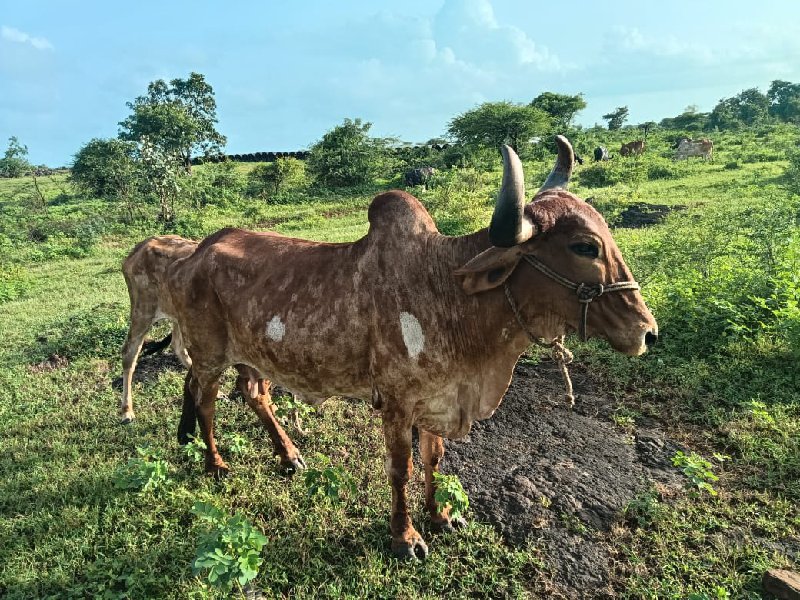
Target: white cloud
x=15 y=35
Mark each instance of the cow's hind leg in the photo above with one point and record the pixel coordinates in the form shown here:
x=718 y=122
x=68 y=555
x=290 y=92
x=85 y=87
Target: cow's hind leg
x=406 y=542
x=431 y=448
x=201 y=387
x=140 y=324
x=256 y=391
x=187 y=427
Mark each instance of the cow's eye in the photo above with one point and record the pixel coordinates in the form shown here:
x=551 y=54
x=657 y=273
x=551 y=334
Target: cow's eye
x=585 y=249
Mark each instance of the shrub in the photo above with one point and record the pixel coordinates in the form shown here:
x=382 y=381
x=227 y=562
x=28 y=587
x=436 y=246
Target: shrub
x=106 y=169
x=214 y=183
x=270 y=180
x=347 y=156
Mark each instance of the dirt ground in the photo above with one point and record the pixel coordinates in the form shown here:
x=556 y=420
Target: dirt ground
x=557 y=477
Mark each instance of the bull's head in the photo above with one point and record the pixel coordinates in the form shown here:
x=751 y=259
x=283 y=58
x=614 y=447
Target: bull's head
x=556 y=256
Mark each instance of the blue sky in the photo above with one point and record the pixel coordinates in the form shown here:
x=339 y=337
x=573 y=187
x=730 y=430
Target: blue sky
x=284 y=73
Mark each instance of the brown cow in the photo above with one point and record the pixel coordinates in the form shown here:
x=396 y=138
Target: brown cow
x=630 y=148
x=427 y=327
x=144 y=270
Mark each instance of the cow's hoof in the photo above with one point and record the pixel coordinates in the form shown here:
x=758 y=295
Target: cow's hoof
x=293 y=465
x=218 y=470
x=413 y=549
x=447 y=525
x=127 y=419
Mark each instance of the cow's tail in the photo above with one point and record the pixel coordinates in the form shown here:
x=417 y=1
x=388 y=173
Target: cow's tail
x=156 y=346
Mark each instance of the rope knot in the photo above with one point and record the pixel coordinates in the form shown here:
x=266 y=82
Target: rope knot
x=587 y=292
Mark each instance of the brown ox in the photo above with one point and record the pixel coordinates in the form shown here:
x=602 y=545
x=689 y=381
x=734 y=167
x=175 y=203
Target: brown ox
x=419 y=323
x=630 y=148
x=145 y=275
x=687 y=147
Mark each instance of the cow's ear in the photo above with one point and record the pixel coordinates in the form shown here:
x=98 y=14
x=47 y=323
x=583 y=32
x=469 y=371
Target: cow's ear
x=489 y=269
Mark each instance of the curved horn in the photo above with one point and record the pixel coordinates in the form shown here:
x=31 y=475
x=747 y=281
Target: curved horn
x=509 y=225
x=559 y=176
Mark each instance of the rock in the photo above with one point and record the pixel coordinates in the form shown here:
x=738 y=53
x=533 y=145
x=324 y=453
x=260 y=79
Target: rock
x=784 y=585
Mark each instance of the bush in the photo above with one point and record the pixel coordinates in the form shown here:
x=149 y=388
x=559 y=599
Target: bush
x=105 y=169
x=214 y=183
x=272 y=180
x=346 y=156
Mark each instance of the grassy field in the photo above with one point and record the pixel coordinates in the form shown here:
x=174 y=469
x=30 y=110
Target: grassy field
x=720 y=273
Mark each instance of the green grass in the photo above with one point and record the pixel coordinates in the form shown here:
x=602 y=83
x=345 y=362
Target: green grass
x=725 y=380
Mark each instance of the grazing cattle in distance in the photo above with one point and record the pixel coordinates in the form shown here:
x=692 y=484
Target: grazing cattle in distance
x=630 y=148
x=687 y=147
x=600 y=153
x=578 y=159
x=419 y=176
x=425 y=326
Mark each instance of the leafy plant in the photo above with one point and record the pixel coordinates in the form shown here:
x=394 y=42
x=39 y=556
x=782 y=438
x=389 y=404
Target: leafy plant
x=697 y=469
x=450 y=494
x=145 y=472
x=286 y=405
x=329 y=481
x=195 y=450
x=236 y=443
x=229 y=548
x=644 y=509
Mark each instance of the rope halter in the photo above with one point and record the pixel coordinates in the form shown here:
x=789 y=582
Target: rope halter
x=586 y=293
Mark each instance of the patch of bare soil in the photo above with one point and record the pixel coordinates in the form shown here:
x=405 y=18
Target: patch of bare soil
x=51 y=363
x=643 y=214
x=149 y=367
x=541 y=472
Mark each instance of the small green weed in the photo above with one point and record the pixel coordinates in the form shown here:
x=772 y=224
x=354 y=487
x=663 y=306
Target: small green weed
x=229 y=548
x=145 y=472
x=195 y=450
x=450 y=493
x=644 y=510
x=697 y=469
x=286 y=404
x=329 y=481
x=236 y=443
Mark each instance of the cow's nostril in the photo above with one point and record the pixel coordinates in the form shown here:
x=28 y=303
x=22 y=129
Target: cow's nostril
x=650 y=339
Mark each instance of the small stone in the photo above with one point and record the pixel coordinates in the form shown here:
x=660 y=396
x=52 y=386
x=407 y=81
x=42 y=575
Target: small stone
x=784 y=585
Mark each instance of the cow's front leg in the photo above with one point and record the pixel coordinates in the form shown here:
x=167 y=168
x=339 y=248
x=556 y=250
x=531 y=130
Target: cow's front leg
x=256 y=391
x=406 y=542
x=203 y=388
x=431 y=448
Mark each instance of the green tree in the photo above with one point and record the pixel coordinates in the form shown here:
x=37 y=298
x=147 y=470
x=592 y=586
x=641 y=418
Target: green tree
x=347 y=156
x=14 y=162
x=616 y=118
x=784 y=100
x=749 y=107
x=562 y=108
x=161 y=176
x=495 y=123
x=689 y=120
x=180 y=117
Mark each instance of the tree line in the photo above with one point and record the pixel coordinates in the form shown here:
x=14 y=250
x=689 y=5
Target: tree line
x=175 y=123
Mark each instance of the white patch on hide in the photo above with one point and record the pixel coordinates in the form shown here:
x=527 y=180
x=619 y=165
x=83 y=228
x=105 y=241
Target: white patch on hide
x=413 y=337
x=276 y=329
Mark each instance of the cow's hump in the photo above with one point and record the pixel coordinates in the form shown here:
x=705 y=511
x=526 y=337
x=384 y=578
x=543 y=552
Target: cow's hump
x=399 y=213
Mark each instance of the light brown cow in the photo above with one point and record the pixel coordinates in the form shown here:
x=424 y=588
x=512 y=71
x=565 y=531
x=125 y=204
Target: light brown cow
x=630 y=148
x=144 y=270
x=427 y=327
x=688 y=147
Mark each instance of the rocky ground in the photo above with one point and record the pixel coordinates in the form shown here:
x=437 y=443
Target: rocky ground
x=557 y=477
